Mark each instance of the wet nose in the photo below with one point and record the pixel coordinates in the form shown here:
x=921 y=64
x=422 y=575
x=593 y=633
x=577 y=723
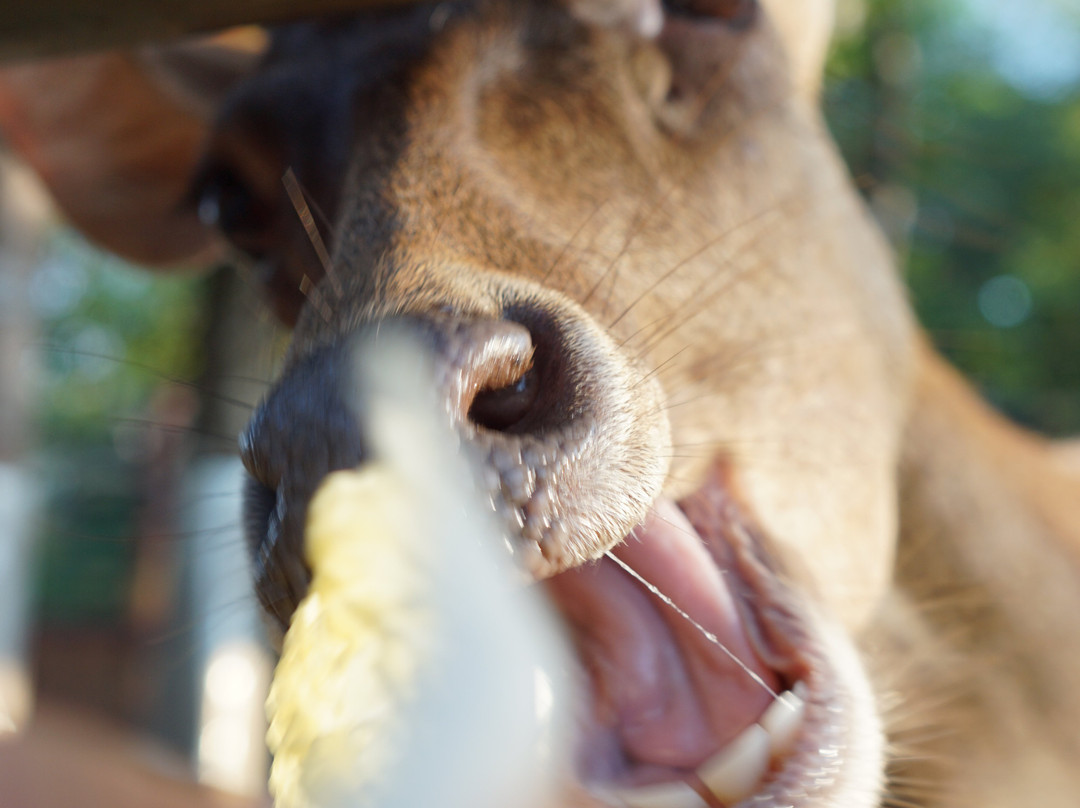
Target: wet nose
x=486 y=375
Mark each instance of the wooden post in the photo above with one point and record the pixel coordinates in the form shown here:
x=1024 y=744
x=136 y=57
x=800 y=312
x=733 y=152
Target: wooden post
x=36 y=28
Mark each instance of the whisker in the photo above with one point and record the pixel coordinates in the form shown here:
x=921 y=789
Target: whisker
x=172 y=535
x=206 y=617
x=244 y=379
x=303 y=211
x=705 y=300
x=655 y=590
x=172 y=429
x=679 y=528
x=634 y=229
x=311 y=292
x=708 y=245
x=570 y=243
x=201 y=389
x=656 y=370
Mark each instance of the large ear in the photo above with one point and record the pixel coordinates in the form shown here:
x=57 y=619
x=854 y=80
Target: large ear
x=115 y=141
x=806 y=28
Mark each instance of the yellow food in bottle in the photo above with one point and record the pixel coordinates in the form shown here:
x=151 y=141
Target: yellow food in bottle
x=355 y=645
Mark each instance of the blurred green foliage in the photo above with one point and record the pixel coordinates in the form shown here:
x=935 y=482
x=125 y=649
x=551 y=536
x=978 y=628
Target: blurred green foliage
x=963 y=130
x=111 y=336
x=112 y=333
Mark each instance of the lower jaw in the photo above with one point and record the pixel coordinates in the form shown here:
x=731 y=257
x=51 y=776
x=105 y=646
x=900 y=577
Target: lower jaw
x=736 y=772
x=818 y=744
x=834 y=759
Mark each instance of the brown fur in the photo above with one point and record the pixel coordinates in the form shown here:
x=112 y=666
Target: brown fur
x=712 y=248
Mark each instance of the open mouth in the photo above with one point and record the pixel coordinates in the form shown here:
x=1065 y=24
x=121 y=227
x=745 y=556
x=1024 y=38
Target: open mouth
x=708 y=679
x=706 y=684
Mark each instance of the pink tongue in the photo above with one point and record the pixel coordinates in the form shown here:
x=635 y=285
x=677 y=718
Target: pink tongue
x=664 y=695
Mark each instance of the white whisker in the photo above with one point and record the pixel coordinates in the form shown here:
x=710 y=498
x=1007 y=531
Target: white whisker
x=303 y=210
x=705 y=632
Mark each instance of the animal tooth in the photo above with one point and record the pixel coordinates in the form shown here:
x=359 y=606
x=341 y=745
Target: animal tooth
x=734 y=772
x=783 y=720
x=675 y=794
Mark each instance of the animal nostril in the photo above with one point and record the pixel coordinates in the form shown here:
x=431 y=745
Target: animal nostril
x=502 y=408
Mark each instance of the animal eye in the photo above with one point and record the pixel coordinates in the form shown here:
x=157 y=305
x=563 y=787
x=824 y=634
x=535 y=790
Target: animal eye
x=225 y=200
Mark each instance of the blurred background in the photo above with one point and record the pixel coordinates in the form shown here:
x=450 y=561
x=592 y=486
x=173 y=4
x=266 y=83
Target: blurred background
x=960 y=120
x=125 y=599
